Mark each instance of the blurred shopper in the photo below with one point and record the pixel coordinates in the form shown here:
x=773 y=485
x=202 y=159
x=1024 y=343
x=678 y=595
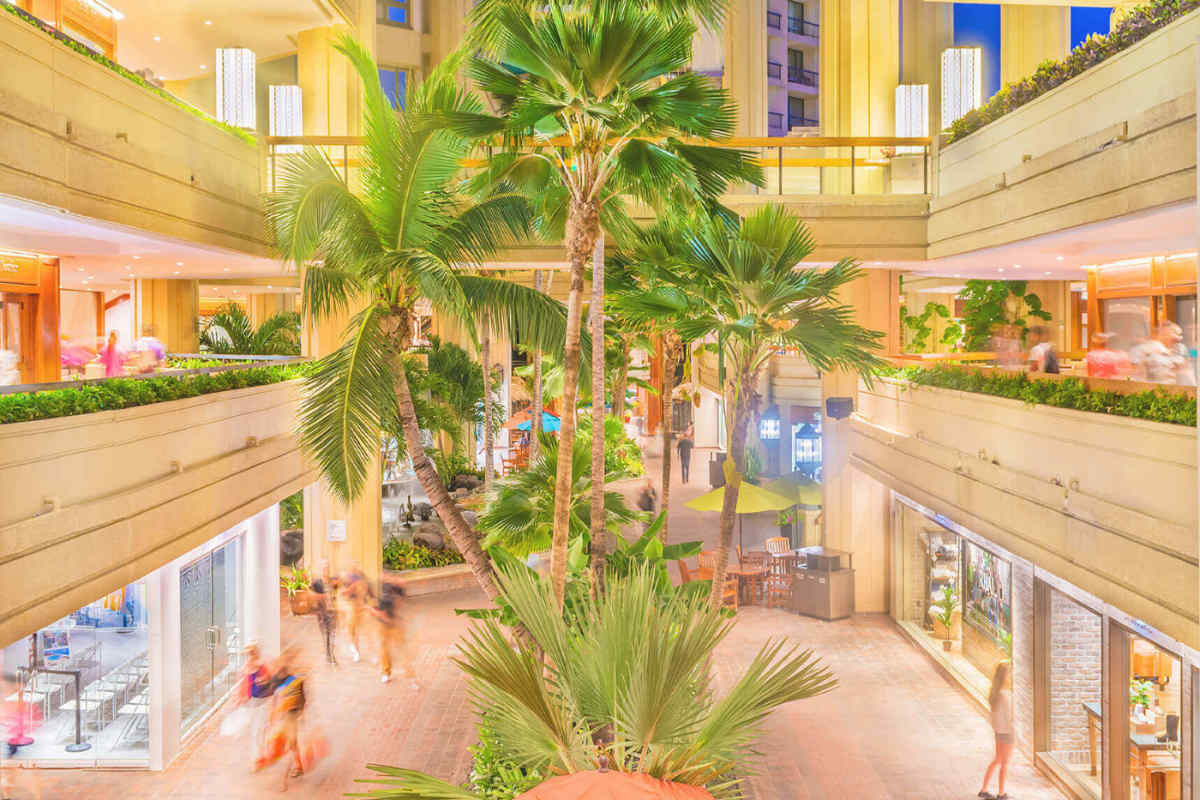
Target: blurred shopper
x=387 y=613
x=685 y=444
x=1042 y=355
x=287 y=712
x=1162 y=359
x=1104 y=362
x=353 y=595
x=1006 y=344
x=113 y=357
x=324 y=603
x=1000 y=701
x=648 y=500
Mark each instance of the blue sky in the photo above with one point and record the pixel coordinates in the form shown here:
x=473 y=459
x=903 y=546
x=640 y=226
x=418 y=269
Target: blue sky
x=978 y=25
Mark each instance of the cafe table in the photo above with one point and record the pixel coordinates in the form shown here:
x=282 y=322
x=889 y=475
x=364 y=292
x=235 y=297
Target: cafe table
x=751 y=579
x=1141 y=745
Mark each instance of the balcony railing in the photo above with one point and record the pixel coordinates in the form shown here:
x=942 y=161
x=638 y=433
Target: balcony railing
x=774 y=20
x=802 y=76
x=796 y=165
x=774 y=70
x=797 y=121
x=802 y=27
x=774 y=121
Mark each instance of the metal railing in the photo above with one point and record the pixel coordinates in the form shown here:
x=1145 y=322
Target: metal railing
x=774 y=70
x=774 y=20
x=796 y=121
x=802 y=76
x=774 y=121
x=793 y=165
x=803 y=27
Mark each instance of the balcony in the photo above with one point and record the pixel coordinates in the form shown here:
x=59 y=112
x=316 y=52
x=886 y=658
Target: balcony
x=795 y=121
x=801 y=27
x=774 y=71
x=775 y=122
x=803 y=77
x=774 y=20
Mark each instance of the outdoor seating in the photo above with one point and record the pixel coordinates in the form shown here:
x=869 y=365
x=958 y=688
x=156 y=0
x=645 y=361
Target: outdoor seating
x=778 y=545
x=779 y=581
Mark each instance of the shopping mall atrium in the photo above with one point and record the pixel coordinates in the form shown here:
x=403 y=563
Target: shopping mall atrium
x=581 y=398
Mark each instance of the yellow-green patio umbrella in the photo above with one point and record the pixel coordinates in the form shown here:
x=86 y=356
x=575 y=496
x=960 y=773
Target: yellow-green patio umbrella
x=751 y=500
x=799 y=488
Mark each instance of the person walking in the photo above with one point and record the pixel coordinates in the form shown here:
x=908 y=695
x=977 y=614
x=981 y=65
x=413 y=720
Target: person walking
x=291 y=698
x=1103 y=362
x=1042 y=355
x=1000 y=702
x=684 y=445
x=353 y=595
x=386 y=612
x=113 y=357
x=647 y=500
x=323 y=591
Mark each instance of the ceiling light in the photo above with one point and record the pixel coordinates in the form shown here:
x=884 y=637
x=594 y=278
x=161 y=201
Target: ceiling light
x=208 y=22
x=91 y=277
x=1016 y=266
x=269 y=286
x=158 y=38
x=79 y=269
x=176 y=272
x=1047 y=273
x=179 y=263
x=227 y=269
x=204 y=66
x=1058 y=258
x=137 y=258
x=1000 y=270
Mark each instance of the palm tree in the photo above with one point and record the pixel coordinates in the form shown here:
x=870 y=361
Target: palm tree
x=594 y=103
x=630 y=688
x=395 y=241
x=739 y=286
x=520 y=517
x=230 y=330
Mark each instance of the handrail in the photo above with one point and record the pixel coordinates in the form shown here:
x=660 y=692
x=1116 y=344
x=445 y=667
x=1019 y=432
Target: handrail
x=798 y=26
x=805 y=77
x=774 y=70
x=802 y=122
x=735 y=141
x=774 y=119
x=774 y=20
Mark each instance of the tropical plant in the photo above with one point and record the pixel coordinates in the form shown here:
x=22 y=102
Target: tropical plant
x=594 y=103
x=495 y=775
x=398 y=240
x=230 y=330
x=291 y=512
x=520 y=517
x=447 y=389
x=740 y=288
x=946 y=606
x=920 y=329
x=1140 y=693
x=296 y=580
x=629 y=689
x=988 y=304
x=401 y=554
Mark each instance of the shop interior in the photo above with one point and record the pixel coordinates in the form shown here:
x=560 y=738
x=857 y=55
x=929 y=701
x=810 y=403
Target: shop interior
x=80 y=688
x=1155 y=729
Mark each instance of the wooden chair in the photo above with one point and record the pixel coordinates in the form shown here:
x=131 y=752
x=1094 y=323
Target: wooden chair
x=779 y=581
x=778 y=545
x=707 y=561
x=685 y=574
x=755 y=587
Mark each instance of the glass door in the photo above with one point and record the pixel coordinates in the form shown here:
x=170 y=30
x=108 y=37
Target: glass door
x=210 y=630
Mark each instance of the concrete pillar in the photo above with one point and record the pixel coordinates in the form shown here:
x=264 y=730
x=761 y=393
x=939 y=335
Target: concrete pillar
x=260 y=607
x=856 y=508
x=1029 y=35
x=264 y=306
x=927 y=29
x=168 y=310
x=745 y=75
x=447 y=26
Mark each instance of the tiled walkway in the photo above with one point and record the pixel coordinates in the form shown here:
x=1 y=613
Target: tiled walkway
x=894 y=727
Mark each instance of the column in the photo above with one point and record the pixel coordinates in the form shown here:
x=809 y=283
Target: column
x=745 y=70
x=927 y=30
x=260 y=604
x=168 y=310
x=264 y=306
x=856 y=507
x=1029 y=35
x=162 y=607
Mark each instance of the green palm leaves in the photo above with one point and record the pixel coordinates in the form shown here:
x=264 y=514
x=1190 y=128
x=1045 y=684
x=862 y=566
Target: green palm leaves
x=231 y=331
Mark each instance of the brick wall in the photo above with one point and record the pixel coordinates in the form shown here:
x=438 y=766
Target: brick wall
x=1076 y=666
x=1022 y=656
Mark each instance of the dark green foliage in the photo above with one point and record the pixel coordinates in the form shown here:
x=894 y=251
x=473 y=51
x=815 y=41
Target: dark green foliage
x=103 y=61
x=494 y=774
x=401 y=554
x=1073 y=393
x=117 y=393
x=919 y=325
x=990 y=303
x=230 y=331
x=1131 y=29
x=291 y=512
x=451 y=465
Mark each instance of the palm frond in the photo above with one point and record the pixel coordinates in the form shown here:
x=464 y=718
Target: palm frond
x=407 y=784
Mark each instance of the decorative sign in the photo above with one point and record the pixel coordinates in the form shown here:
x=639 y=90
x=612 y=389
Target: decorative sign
x=15 y=269
x=335 y=530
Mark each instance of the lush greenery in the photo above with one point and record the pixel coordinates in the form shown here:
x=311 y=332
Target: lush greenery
x=117 y=393
x=450 y=465
x=629 y=687
x=401 y=554
x=230 y=331
x=521 y=516
x=621 y=453
x=919 y=328
x=495 y=775
x=291 y=512
x=447 y=390
x=104 y=61
x=1136 y=25
x=297 y=579
x=173 y=362
x=988 y=304
x=1153 y=405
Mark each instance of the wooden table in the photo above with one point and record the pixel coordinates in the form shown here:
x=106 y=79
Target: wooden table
x=748 y=577
x=1141 y=745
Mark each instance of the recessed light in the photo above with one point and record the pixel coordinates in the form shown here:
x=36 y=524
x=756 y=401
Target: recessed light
x=1058 y=258
x=91 y=277
x=128 y=267
x=269 y=286
x=137 y=258
x=208 y=22
x=158 y=38
x=132 y=275
x=227 y=269
x=204 y=66
x=1016 y=266
x=80 y=269
x=179 y=263
x=176 y=272
x=1000 y=270
x=1047 y=273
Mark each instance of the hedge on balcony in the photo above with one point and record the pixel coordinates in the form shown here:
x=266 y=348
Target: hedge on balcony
x=104 y=61
x=117 y=393
x=1131 y=29
x=1073 y=393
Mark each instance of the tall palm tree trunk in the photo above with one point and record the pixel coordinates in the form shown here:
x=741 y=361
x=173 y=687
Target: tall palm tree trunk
x=583 y=227
x=599 y=528
x=671 y=346
x=489 y=437
x=742 y=410
x=621 y=382
x=535 y=422
x=465 y=540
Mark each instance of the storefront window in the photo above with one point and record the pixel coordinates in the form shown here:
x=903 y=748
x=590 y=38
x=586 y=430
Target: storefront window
x=210 y=629
x=1155 y=731
x=987 y=606
x=1127 y=320
x=102 y=649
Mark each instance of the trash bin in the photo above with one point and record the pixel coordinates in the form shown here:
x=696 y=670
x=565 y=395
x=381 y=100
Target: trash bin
x=716 y=476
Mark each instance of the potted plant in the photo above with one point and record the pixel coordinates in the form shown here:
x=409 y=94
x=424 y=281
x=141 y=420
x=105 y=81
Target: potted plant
x=297 y=582
x=947 y=617
x=785 y=519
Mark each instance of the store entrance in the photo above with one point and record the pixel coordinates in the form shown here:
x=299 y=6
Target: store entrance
x=210 y=630
x=18 y=338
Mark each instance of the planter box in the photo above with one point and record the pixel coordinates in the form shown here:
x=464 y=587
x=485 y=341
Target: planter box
x=432 y=580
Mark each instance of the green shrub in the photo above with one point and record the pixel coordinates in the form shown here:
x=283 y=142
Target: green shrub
x=1154 y=404
x=494 y=775
x=401 y=554
x=118 y=393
